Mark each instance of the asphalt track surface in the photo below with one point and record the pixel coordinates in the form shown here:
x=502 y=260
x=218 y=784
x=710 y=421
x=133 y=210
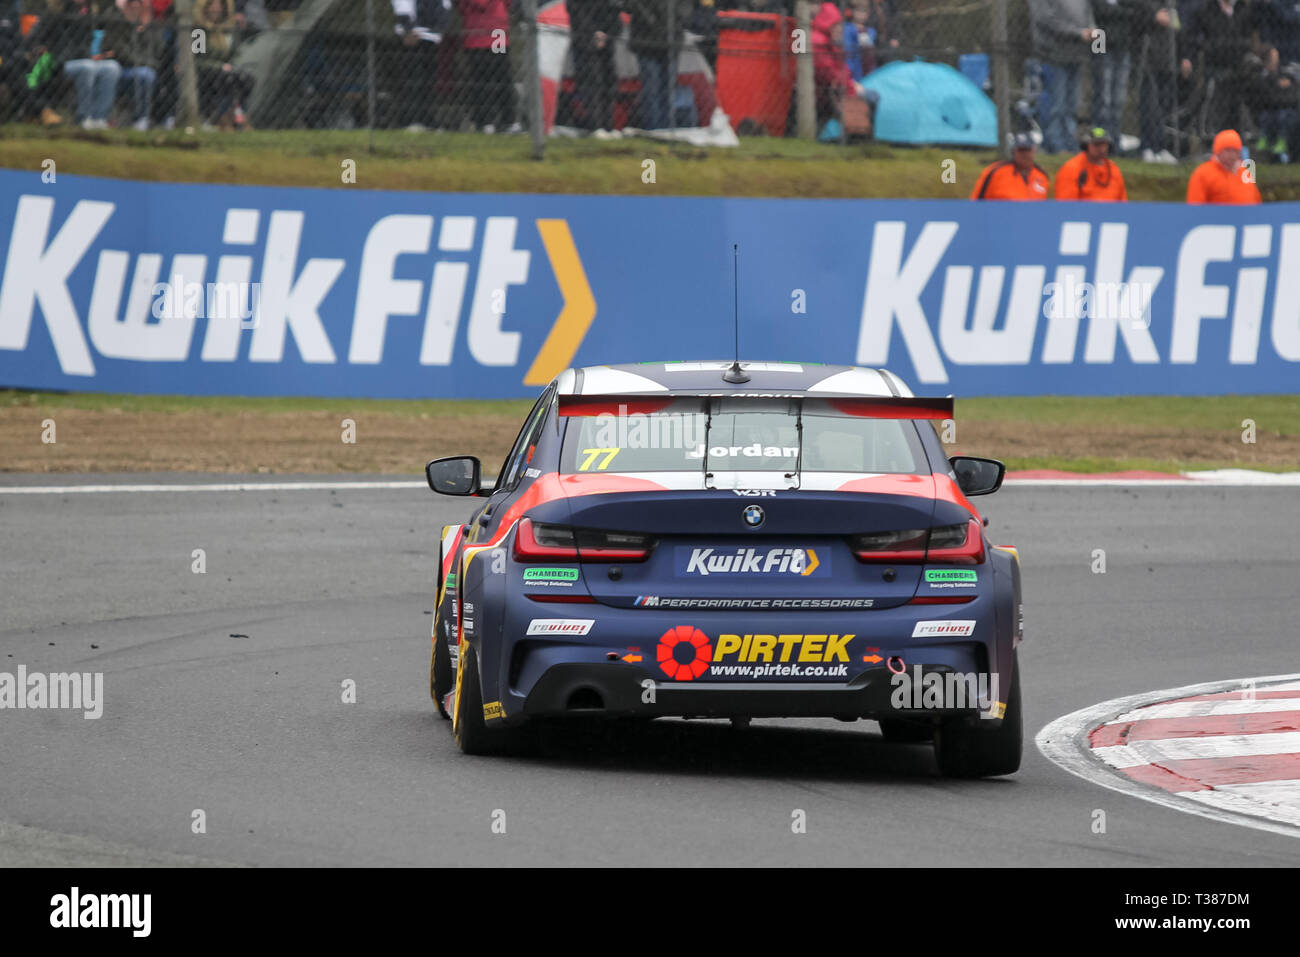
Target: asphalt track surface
x=223 y=693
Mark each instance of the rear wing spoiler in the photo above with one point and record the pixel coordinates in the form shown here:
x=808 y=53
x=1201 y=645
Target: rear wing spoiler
x=869 y=407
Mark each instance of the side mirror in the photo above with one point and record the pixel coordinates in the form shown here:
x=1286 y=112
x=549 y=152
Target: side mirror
x=976 y=476
x=457 y=475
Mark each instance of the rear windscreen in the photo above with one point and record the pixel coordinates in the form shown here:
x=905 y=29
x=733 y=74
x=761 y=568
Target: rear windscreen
x=742 y=435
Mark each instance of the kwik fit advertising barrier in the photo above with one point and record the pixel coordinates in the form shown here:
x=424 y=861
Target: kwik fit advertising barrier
x=138 y=287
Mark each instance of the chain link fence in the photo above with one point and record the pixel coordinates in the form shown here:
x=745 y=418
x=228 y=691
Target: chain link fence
x=1161 y=76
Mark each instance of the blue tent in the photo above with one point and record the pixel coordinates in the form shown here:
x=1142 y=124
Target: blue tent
x=931 y=103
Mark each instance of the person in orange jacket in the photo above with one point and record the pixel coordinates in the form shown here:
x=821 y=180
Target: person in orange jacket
x=1017 y=178
x=1223 y=178
x=1092 y=174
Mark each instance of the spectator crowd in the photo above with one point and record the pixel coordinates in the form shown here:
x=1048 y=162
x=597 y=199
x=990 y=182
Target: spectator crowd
x=1171 y=72
x=1188 y=68
x=115 y=61
x=446 y=64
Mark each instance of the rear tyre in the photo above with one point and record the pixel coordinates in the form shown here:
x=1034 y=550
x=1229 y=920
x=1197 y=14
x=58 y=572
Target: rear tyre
x=473 y=736
x=441 y=677
x=899 y=731
x=965 y=750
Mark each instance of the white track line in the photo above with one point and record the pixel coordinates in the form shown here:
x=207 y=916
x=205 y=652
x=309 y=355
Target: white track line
x=317 y=486
x=1213 y=478
x=1243 y=477
x=1284 y=480
x=1160 y=750
x=1065 y=742
x=1099 y=483
x=1279 y=800
x=212 y=487
x=1206 y=709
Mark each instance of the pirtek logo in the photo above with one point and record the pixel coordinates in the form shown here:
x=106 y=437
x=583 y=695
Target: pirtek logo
x=753 y=561
x=770 y=648
x=36 y=274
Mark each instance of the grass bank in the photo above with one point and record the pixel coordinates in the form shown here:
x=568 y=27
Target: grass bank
x=133 y=433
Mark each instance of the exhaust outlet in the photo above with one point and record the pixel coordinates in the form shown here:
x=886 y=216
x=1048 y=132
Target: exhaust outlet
x=585 y=699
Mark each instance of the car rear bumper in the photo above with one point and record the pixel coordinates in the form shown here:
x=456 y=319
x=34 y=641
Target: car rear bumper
x=613 y=668
x=615 y=689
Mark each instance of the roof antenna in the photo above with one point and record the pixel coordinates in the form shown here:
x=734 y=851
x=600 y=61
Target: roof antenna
x=735 y=374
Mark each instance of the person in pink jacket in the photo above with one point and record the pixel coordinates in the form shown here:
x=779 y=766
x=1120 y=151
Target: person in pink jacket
x=485 y=26
x=831 y=75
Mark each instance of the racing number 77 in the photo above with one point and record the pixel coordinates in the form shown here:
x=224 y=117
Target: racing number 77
x=592 y=455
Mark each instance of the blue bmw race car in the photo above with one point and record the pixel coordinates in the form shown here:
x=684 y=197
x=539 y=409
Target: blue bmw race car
x=730 y=540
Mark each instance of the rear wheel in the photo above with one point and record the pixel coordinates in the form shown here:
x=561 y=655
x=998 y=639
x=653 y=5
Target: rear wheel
x=900 y=731
x=439 y=665
x=441 y=678
x=966 y=750
x=473 y=736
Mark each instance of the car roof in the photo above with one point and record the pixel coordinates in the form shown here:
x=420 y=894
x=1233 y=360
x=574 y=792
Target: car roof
x=706 y=374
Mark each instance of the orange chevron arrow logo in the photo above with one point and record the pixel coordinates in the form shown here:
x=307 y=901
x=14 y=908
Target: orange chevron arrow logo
x=579 y=308
x=813 y=562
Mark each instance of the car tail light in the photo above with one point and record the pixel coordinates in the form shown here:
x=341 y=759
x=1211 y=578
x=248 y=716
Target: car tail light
x=544 y=542
x=957 y=544
x=535 y=541
x=895 y=547
x=954 y=544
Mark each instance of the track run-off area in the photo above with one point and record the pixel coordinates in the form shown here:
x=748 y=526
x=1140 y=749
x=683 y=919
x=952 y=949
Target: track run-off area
x=225 y=693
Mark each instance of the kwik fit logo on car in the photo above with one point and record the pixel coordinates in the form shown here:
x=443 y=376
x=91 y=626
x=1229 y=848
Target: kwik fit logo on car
x=752 y=562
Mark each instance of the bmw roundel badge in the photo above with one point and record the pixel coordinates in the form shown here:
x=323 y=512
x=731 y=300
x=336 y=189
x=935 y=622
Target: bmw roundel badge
x=753 y=516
